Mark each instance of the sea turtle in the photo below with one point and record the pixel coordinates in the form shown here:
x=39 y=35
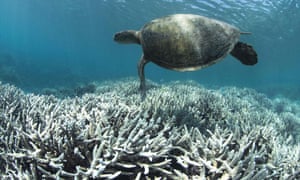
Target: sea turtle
x=186 y=42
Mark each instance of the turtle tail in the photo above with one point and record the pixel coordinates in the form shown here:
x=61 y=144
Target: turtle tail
x=244 y=53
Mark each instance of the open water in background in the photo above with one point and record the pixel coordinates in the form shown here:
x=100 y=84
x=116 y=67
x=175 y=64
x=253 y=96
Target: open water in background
x=54 y=43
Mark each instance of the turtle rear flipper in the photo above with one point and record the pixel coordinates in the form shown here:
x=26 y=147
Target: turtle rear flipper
x=244 y=53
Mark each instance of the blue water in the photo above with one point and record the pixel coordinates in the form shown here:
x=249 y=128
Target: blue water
x=198 y=128
x=48 y=44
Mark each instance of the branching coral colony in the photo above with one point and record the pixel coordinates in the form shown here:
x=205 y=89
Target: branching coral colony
x=180 y=131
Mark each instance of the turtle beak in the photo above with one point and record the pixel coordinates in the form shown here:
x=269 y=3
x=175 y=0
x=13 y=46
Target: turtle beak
x=117 y=36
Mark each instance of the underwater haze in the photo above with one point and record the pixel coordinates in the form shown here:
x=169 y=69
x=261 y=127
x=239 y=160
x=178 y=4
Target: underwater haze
x=70 y=105
x=50 y=44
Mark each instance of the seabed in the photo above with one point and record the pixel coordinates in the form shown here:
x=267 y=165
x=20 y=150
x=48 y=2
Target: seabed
x=181 y=130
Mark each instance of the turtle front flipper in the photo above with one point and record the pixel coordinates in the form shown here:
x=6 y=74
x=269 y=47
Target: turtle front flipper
x=141 y=67
x=244 y=53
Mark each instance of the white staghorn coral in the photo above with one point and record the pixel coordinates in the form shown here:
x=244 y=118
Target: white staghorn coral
x=180 y=131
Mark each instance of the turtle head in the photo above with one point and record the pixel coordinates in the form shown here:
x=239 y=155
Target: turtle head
x=127 y=37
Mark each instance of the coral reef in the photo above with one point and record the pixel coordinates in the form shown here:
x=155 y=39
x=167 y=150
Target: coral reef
x=64 y=92
x=180 y=131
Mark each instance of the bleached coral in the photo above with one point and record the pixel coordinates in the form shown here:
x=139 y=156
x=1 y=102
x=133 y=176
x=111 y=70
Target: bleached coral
x=180 y=131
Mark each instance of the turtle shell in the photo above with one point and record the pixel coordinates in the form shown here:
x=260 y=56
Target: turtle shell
x=186 y=42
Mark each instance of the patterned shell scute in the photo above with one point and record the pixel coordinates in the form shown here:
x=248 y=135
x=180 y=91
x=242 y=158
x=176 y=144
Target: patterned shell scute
x=186 y=42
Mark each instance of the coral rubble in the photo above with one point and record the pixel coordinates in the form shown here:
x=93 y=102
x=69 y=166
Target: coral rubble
x=180 y=131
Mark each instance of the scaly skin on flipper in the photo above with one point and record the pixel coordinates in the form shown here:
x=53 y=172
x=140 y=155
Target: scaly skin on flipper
x=245 y=53
x=141 y=67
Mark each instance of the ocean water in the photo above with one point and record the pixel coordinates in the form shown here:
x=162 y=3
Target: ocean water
x=70 y=107
x=49 y=44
